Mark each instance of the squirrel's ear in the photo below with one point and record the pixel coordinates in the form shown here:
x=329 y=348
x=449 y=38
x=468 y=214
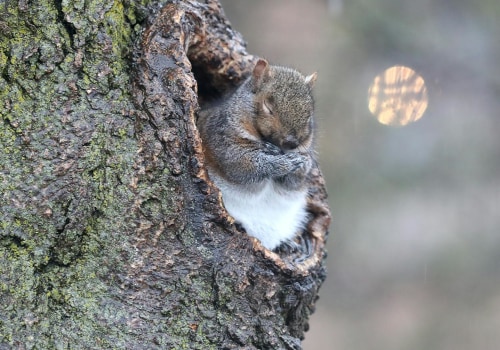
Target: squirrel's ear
x=311 y=79
x=261 y=69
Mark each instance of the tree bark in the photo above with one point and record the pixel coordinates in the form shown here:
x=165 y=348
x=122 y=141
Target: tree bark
x=112 y=235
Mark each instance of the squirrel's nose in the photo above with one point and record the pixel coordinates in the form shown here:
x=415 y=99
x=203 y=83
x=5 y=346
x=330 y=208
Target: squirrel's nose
x=289 y=143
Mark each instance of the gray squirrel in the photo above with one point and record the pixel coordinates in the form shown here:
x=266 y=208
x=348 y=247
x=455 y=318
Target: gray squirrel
x=259 y=149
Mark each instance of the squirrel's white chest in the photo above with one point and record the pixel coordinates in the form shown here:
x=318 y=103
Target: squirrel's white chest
x=270 y=215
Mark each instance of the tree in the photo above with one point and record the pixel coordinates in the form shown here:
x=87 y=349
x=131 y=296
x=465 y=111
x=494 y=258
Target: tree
x=112 y=234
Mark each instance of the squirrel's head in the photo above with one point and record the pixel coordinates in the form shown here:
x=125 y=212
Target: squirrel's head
x=284 y=105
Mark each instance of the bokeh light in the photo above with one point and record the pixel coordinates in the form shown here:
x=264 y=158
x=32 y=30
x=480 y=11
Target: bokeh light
x=397 y=96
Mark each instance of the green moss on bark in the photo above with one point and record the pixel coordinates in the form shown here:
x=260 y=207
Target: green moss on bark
x=67 y=171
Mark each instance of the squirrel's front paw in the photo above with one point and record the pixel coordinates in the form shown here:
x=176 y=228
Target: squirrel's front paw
x=307 y=165
x=271 y=149
x=295 y=179
x=288 y=163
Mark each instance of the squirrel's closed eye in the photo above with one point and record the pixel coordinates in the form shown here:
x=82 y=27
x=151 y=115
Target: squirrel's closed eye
x=267 y=108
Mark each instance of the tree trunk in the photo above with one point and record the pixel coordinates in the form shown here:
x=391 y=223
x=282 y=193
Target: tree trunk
x=112 y=234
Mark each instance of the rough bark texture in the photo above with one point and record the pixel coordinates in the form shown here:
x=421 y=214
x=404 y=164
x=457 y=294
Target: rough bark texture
x=112 y=236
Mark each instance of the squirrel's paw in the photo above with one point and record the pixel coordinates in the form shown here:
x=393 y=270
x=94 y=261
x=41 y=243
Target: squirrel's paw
x=288 y=163
x=271 y=149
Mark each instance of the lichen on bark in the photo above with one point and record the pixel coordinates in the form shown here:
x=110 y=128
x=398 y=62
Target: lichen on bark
x=66 y=162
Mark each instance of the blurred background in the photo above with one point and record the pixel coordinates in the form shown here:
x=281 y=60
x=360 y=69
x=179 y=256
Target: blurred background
x=414 y=248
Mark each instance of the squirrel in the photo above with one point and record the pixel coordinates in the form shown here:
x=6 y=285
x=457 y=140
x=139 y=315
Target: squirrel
x=259 y=149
